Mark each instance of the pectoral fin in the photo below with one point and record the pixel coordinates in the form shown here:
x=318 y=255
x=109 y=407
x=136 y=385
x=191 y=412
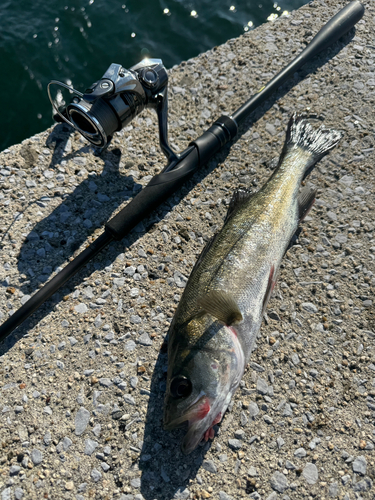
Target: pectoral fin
x=222 y=306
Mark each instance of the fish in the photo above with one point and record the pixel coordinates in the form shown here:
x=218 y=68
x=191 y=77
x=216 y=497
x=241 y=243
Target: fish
x=219 y=316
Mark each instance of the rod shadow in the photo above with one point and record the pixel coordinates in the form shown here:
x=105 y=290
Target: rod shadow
x=166 y=472
x=55 y=238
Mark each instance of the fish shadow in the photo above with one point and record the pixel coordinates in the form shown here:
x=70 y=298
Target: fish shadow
x=54 y=239
x=166 y=471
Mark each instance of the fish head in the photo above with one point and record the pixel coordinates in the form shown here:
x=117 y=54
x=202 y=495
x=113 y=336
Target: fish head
x=200 y=384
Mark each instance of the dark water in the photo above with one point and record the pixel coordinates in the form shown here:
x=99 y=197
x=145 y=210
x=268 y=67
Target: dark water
x=75 y=41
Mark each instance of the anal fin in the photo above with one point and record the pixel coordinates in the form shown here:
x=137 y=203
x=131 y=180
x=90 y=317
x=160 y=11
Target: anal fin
x=270 y=286
x=305 y=200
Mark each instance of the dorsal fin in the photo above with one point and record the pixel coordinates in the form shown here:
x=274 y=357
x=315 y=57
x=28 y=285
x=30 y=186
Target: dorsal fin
x=222 y=306
x=239 y=197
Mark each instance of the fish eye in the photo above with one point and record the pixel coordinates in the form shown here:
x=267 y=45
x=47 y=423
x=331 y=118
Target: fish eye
x=180 y=387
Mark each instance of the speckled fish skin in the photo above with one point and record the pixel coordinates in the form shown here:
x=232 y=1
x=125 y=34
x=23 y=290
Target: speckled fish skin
x=241 y=262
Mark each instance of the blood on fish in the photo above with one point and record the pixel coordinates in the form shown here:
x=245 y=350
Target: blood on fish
x=210 y=433
x=203 y=410
x=233 y=330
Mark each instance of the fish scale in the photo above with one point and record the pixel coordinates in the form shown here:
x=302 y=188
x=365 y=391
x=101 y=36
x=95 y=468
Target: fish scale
x=220 y=313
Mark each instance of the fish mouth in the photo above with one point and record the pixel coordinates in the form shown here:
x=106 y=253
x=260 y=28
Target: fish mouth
x=197 y=431
x=200 y=417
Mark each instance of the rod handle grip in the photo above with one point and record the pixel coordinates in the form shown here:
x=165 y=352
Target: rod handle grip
x=336 y=27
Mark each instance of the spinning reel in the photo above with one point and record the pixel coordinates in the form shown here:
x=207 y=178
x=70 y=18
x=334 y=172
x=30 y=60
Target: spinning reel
x=113 y=101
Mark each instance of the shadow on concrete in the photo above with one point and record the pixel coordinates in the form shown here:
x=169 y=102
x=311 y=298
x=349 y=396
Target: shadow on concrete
x=165 y=471
x=54 y=239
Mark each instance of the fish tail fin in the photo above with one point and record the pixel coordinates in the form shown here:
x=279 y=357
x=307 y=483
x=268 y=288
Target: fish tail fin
x=317 y=141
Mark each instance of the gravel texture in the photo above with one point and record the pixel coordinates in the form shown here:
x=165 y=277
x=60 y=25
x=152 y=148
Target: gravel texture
x=82 y=381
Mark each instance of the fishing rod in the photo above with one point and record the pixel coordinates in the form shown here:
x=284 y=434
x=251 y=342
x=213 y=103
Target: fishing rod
x=120 y=95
